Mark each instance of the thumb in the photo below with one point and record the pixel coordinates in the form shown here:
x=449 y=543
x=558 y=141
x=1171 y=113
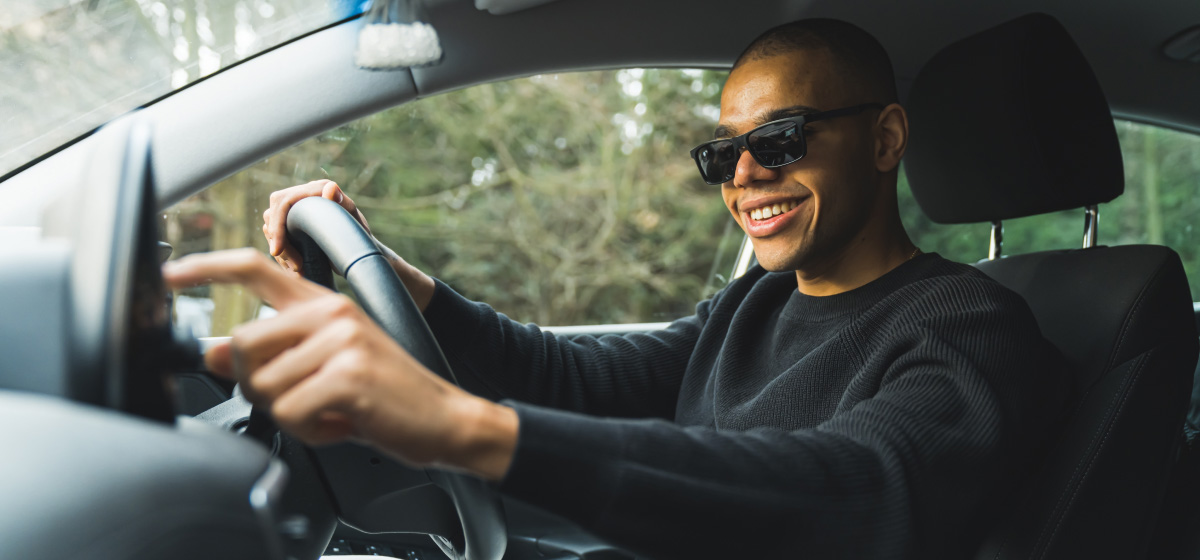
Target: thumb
x=333 y=192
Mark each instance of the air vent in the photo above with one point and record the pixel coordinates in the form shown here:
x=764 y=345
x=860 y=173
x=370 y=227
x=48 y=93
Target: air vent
x=1184 y=46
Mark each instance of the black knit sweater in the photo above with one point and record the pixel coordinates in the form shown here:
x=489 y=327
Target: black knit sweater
x=884 y=422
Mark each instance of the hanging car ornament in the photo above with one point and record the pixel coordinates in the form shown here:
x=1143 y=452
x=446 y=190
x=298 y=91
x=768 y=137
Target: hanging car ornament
x=394 y=37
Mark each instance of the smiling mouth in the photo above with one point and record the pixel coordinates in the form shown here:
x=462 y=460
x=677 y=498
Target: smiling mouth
x=767 y=213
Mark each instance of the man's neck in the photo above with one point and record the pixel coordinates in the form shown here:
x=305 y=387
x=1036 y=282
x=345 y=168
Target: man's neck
x=856 y=264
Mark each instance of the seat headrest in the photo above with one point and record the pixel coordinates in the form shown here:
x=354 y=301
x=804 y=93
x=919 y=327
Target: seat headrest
x=1010 y=122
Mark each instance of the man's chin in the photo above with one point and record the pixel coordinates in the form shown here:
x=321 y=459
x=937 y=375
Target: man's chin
x=774 y=261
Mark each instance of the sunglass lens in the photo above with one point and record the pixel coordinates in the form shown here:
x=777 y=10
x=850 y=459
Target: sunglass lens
x=717 y=161
x=777 y=145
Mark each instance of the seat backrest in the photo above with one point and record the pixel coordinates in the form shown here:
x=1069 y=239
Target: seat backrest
x=1011 y=122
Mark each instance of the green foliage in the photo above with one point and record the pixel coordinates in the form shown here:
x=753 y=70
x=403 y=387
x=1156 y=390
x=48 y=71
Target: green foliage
x=69 y=67
x=558 y=199
x=570 y=199
x=1159 y=206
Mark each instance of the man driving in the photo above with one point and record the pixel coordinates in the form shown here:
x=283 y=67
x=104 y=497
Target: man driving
x=849 y=397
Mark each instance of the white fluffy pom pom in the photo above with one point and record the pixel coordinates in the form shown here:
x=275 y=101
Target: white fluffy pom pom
x=397 y=45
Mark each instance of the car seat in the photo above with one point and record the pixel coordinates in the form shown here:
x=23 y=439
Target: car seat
x=1011 y=122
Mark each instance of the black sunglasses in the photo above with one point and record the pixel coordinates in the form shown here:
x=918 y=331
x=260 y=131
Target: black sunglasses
x=772 y=145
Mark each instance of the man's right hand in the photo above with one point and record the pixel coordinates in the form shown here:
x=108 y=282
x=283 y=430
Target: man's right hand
x=419 y=284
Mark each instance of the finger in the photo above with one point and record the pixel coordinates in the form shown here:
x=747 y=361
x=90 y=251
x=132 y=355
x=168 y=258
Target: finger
x=331 y=427
x=281 y=203
x=328 y=428
x=289 y=368
x=335 y=193
x=218 y=359
x=292 y=261
x=321 y=408
x=273 y=354
x=268 y=232
x=288 y=266
x=246 y=267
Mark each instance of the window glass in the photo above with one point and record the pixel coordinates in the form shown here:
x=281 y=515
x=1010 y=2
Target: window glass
x=563 y=199
x=70 y=66
x=1160 y=205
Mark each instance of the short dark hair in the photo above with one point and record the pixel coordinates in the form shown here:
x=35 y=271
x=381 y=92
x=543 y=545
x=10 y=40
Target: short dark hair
x=859 y=56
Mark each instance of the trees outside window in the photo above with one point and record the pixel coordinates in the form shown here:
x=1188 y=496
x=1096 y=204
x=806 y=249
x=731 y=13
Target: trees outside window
x=570 y=199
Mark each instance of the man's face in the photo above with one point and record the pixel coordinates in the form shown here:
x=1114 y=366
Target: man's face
x=831 y=191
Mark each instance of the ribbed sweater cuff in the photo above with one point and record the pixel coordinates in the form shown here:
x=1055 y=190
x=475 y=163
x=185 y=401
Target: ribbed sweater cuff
x=452 y=317
x=564 y=462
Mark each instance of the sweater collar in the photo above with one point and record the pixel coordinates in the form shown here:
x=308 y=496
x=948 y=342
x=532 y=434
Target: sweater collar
x=804 y=307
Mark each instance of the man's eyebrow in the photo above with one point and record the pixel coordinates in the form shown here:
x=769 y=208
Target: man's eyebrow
x=725 y=131
x=793 y=111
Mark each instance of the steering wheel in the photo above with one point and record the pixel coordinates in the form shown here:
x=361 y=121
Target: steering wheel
x=327 y=235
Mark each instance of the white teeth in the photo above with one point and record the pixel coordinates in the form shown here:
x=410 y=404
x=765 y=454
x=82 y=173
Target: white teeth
x=773 y=210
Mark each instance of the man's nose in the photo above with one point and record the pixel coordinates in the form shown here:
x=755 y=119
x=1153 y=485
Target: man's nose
x=749 y=171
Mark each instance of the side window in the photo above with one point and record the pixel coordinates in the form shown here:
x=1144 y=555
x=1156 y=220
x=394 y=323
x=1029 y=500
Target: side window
x=1161 y=205
x=559 y=199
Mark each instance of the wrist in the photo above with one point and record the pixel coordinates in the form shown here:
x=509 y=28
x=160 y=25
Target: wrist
x=485 y=439
x=420 y=285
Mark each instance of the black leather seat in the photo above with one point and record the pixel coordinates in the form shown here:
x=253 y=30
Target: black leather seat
x=1011 y=122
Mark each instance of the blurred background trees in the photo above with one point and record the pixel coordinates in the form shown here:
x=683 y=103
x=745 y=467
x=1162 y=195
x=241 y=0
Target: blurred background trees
x=72 y=65
x=559 y=199
x=570 y=199
x=1160 y=205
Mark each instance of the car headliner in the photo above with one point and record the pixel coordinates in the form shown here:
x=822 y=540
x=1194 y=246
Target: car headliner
x=219 y=125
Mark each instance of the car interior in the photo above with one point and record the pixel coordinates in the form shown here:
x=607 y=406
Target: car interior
x=115 y=463
x=1133 y=357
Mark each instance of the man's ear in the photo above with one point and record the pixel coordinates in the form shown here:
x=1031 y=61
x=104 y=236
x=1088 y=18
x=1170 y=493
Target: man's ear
x=891 y=137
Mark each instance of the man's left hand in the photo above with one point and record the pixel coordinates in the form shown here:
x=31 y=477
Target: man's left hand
x=327 y=373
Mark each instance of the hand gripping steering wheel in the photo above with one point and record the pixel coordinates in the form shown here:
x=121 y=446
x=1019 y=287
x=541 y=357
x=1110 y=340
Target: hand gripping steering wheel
x=326 y=235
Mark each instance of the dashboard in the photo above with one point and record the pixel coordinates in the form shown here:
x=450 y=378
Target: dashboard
x=127 y=438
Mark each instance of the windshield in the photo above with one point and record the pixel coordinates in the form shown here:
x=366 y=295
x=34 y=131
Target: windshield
x=70 y=66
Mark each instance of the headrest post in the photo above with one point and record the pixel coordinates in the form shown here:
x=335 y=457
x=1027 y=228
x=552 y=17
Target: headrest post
x=997 y=241
x=1091 y=213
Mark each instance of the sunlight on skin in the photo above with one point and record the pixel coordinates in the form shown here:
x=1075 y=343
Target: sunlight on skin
x=847 y=230
x=328 y=373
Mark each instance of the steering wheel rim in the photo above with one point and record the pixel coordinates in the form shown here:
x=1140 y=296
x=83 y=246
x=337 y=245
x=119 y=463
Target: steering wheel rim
x=328 y=237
